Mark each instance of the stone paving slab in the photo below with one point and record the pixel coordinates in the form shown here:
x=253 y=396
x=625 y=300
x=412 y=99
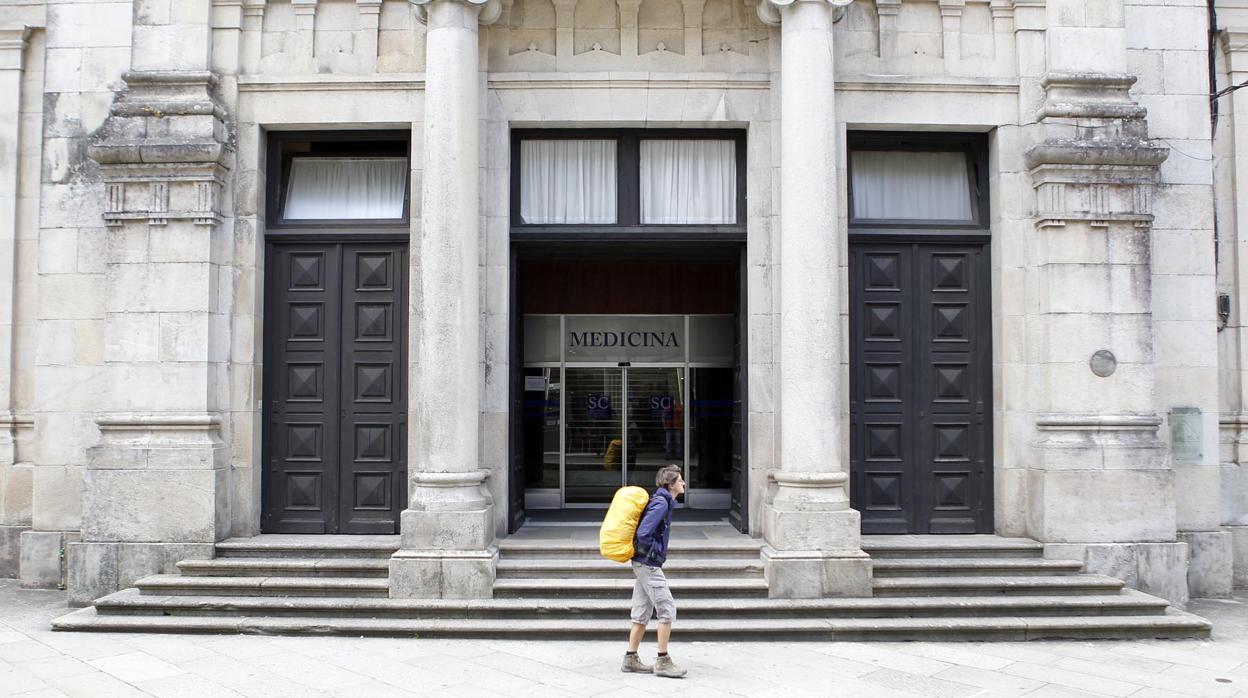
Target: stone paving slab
x=35 y=661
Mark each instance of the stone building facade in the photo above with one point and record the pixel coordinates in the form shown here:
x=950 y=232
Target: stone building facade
x=1063 y=359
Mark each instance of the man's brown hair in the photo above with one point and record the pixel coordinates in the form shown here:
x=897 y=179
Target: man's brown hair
x=667 y=475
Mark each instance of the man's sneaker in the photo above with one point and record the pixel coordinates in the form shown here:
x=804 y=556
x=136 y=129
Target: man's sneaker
x=664 y=666
x=633 y=663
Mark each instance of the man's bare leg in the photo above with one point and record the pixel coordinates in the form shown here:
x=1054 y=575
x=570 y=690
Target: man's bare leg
x=638 y=631
x=665 y=632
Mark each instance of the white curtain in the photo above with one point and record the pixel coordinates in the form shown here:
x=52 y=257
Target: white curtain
x=910 y=185
x=567 y=181
x=688 y=182
x=351 y=188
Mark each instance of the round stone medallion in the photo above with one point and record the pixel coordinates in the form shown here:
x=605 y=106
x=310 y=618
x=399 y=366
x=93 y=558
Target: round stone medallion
x=1103 y=363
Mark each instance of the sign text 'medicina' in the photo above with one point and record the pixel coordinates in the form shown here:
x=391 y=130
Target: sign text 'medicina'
x=632 y=339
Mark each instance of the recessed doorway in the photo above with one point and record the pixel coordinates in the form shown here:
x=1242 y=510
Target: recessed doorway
x=624 y=367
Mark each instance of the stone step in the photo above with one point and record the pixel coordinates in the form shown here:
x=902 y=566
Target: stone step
x=131 y=602
x=580 y=568
x=286 y=567
x=305 y=547
x=728 y=548
x=179 y=585
x=973 y=566
x=1174 y=624
x=623 y=588
x=914 y=546
x=967 y=586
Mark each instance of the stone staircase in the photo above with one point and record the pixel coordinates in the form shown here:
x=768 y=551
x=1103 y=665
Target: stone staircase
x=926 y=588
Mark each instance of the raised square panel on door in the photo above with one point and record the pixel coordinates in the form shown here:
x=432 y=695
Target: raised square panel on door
x=301 y=360
x=373 y=480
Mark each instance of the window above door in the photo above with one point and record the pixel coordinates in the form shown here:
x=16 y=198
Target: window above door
x=338 y=180
x=910 y=181
x=623 y=183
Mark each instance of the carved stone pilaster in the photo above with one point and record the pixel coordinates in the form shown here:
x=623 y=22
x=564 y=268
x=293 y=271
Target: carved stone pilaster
x=156 y=488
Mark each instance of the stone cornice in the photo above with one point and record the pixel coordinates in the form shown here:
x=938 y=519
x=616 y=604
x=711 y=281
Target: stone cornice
x=489 y=13
x=769 y=10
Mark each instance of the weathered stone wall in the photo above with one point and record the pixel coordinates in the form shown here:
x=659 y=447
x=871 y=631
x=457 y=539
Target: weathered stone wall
x=1230 y=137
x=22 y=49
x=87 y=47
x=1141 y=287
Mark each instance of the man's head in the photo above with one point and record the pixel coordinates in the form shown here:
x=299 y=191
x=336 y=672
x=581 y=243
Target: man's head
x=669 y=476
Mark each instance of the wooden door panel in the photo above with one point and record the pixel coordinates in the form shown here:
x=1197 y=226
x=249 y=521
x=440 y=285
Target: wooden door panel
x=373 y=476
x=302 y=351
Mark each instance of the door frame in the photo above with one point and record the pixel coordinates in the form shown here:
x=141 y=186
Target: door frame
x=268 y=378
x=986 y=515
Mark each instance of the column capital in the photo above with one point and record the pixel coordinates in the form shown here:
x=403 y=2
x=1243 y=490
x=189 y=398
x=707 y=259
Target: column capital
x=769 y=10
x=13 y=46
x=489 y=10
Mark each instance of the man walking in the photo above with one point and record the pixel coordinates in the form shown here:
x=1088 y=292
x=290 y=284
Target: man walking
x=651 y=596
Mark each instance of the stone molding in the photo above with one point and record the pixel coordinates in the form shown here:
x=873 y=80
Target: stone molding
x=1101 y=441
x=163 y=150
x=1233 y=436
x=1098 y=422
x=769 y=10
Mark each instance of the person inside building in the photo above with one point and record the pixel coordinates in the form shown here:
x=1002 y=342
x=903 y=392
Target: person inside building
x=651 y=596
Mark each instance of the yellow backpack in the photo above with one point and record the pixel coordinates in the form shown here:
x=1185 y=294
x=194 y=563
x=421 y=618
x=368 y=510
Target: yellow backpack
x=615 y=538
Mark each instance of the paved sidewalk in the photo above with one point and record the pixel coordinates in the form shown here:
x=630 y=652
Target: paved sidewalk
x=34 y=661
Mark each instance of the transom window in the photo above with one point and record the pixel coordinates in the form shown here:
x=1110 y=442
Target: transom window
x=335 y=179
x=628 y=179
x=917 y=180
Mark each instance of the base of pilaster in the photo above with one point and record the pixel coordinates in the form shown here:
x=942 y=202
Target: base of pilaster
x=1239 y=551
x=11 y=550
x=813 y=554
x=813 y=575
x=98 y=569
x=443 y=574
x=41 y=564
x=1159 y=569
x=1209 y=563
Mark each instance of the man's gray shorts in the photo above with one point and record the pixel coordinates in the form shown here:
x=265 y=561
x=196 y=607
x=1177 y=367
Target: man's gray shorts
x=651 y=596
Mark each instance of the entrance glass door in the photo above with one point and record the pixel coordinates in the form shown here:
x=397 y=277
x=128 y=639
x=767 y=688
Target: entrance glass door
x=622 y=425
x=594 y=435
x=655 y=422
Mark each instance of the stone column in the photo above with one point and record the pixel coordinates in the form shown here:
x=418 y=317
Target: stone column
x=448 y=548
x=155 y=489
x=813 y=546
x=15 y=477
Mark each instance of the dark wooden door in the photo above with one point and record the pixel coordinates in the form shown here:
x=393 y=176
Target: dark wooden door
x=516 y=447
x=920 y=387
x=335 y=392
